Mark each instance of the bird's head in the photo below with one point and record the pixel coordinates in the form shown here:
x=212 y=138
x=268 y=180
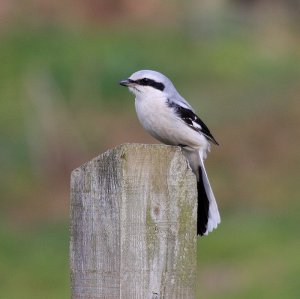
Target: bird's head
x=147 y=83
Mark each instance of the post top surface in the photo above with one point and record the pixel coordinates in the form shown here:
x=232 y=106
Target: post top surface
x=125 y=148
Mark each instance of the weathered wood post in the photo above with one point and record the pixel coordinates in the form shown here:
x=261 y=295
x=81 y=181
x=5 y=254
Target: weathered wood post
x=133 y=225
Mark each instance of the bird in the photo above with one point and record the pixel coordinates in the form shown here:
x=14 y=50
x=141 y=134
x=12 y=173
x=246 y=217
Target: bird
x=169 y=118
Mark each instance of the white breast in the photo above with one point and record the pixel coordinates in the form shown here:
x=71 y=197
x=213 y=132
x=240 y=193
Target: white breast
x=159 y=121
x=153 y=116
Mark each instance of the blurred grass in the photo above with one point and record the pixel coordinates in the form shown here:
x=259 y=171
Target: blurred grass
x=252 y=255
x=60 y=95
x=34 y=263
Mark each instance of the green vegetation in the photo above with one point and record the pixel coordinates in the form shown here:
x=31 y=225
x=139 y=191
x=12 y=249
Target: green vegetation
x=34 y=263
x=251 y=256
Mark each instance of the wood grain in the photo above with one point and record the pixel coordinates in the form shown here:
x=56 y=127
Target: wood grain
x=133 y=225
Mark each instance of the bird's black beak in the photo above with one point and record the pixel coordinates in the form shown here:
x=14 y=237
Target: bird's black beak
x=126 y=82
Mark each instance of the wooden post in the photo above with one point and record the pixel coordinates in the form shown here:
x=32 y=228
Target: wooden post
x=133 y=225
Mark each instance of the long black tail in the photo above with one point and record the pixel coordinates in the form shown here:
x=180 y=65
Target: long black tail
x=208 y=215
x=203 y=206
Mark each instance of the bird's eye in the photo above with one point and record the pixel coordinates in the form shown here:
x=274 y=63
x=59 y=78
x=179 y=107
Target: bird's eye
x=144 y=81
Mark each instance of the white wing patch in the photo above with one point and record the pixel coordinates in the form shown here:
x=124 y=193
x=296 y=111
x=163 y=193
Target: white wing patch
x=196 y=125
x=191 y=119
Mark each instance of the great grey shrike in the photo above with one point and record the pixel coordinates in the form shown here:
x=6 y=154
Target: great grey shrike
x=168 y=117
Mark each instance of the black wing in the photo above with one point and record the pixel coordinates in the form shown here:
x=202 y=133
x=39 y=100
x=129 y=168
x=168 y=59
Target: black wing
x=192 y=120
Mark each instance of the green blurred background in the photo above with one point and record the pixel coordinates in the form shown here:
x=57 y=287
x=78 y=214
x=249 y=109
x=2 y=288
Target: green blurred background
x=237 y=62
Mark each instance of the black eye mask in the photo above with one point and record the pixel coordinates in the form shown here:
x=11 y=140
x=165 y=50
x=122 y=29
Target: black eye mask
x=150 y=82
